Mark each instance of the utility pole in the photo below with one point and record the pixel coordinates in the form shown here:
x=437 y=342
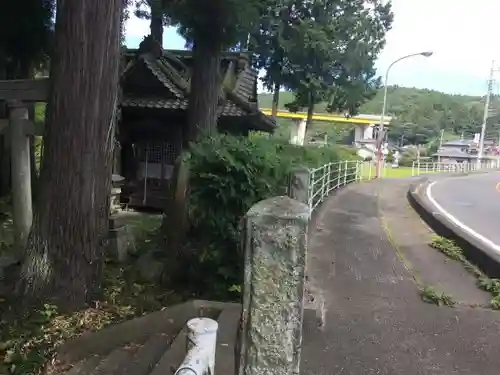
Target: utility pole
x=440 y=145
x=486 y=113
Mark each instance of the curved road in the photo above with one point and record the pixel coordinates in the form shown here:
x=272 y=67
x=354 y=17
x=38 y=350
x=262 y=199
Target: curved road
x=473 y=201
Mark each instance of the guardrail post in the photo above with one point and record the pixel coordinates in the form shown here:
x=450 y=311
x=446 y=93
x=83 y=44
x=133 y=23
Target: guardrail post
x=275 y=244
x=323 y=187
x=328 y=187
x=345 y=172
x=300 y=185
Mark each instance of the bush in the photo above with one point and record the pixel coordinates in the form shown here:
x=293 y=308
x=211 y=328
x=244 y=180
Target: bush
x=228 y=176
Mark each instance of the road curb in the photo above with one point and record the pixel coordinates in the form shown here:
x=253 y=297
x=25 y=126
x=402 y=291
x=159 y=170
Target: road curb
x=477 y=252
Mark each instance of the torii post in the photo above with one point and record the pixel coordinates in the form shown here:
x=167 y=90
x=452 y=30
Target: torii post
x=18 y=128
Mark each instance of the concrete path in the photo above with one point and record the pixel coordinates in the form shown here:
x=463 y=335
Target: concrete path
x=473 y=200
x=366 y=257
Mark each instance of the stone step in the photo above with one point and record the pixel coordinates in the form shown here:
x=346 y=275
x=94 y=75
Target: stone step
x=147 y=356
x=85 y=366
x=112 y=363
x=151 y=345
x=173 y=357
x=226 y=338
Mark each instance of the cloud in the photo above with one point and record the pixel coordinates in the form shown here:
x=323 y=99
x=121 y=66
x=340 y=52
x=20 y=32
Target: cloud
x=462 y=34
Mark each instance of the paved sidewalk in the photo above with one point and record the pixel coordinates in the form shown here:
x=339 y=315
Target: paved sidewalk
x=374 y=319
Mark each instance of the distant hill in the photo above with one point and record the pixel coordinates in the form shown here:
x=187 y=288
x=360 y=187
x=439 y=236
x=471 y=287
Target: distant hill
x=420 y=114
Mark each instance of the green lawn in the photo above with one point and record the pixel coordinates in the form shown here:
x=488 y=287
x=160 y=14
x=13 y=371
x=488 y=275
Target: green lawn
x=369 y=172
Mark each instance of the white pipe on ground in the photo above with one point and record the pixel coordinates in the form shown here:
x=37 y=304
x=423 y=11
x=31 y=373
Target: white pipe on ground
x=201 y=346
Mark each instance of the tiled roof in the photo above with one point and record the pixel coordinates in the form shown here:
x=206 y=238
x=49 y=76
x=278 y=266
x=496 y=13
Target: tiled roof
x=172 y=70
x=231 y=109
x=153 y=66
x=244 y=87
x=155 y=103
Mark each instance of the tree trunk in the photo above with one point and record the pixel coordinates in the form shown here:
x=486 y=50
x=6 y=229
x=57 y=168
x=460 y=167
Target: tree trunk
x=156 y=24
x=64 y=257
x=4 y=149
x=310 y=110
x=276 y=100
x=205 y=88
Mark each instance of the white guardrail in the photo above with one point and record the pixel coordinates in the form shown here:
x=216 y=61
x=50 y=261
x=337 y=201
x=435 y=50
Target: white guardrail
x=329 y=177
x=418 y=168
x=201 y=346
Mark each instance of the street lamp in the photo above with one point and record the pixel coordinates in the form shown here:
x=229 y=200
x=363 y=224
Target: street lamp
x=384 y=106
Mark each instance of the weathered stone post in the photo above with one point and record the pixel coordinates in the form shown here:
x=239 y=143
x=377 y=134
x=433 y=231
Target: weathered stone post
x=299 y=185
x=21 y=172
x=270 y=333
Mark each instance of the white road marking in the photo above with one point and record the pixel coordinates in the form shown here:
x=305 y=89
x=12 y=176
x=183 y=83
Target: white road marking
x=458 y=223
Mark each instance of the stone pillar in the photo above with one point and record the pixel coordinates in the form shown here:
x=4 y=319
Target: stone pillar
x=299 y=185
x=270 y=332
x=21 y=173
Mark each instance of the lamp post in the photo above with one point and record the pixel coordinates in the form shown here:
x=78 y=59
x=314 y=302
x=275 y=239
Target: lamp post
x=381 y=135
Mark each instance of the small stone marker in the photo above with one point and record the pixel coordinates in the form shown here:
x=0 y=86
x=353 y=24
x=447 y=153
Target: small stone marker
x=18 y=130
x=270 y=334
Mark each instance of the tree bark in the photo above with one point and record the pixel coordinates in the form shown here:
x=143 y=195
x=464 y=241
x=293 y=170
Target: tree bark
x=205 y=88
x=310 y=110
x=65 y=252
x=276 y=100
x=4 y=144
x=156 y=23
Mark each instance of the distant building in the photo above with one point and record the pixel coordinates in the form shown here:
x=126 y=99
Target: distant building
x=463 y=150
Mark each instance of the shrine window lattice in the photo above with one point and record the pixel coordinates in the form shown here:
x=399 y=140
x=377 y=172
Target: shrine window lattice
x=157 y=152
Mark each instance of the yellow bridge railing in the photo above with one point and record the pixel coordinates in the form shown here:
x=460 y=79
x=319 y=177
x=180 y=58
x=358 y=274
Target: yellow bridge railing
x=331 y=117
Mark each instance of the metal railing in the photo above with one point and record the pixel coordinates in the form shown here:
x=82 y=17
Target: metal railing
x=201 y=346
x=418 y=168
x=329 y=177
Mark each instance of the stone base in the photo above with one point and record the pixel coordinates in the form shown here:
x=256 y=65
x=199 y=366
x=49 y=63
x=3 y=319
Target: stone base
x=121 y=243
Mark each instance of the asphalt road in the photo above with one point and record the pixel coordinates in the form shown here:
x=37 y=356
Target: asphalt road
x=370 y=318
x=473 y=200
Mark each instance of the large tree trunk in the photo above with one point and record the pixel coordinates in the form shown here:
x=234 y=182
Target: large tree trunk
x=64 y=257
x=310 y=110
x=205 y=88
x=4 y=146
x=276 y=100
x=156 y=25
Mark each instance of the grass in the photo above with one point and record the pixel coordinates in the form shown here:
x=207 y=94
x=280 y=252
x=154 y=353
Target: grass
x=369 y=171
x=430 y=295
x=6 y=237
x=28 y=341
x=455 y=252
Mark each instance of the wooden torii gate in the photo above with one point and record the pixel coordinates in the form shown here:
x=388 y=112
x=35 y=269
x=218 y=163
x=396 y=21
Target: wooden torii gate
x=17 y=129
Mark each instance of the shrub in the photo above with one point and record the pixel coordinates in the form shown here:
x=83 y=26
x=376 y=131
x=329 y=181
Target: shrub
x=228 y=176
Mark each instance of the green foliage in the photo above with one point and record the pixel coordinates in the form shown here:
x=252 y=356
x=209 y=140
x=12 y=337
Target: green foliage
x=430 y=295
x=453 y=251
x=492 y=286
x=334 y=60
x=26 y=28
x=422 y=114
x=228 y=176
x=6 y=224
x=448 y=248
x=224 y=23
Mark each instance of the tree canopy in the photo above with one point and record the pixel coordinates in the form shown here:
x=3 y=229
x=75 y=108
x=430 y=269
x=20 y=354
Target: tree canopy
x=26 y=28
x=322 y=51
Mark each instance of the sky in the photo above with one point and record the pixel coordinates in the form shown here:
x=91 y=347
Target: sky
x=463 y=35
